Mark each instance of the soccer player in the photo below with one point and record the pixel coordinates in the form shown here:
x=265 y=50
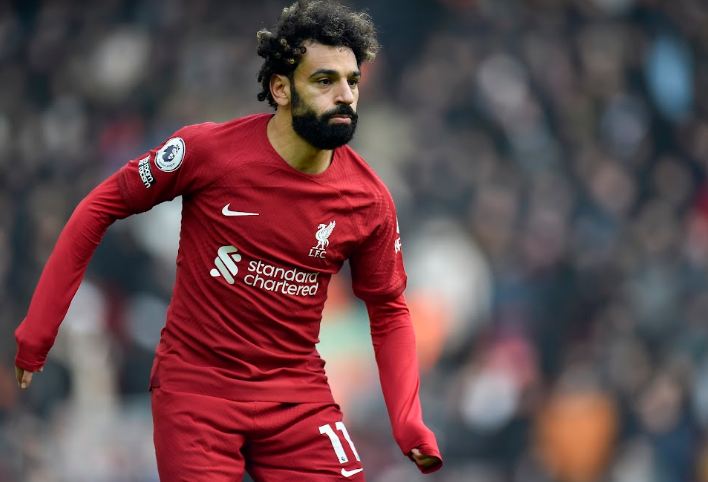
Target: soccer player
x=273 y=204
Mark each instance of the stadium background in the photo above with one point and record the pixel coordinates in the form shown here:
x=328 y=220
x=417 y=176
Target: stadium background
x=548 y=159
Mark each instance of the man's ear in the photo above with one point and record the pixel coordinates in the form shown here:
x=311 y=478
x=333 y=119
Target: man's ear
x=280 y=89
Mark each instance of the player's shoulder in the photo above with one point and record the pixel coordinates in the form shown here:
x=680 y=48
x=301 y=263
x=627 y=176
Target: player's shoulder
x=215 y=143
x=215 y=132
x=360 y=172
x=366 y=190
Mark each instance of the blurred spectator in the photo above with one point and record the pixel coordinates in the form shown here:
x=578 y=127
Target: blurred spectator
x=577 y=427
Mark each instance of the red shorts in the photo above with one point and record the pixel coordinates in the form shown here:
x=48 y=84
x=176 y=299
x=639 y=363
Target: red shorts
x=199 y=438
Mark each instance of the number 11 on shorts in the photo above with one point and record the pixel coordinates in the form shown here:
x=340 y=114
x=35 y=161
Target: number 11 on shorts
x=337 y=443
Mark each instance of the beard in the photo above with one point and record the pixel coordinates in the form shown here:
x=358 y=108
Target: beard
x=316 y=129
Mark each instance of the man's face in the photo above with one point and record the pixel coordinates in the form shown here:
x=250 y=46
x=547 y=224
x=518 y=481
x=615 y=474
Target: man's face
x=324 y=94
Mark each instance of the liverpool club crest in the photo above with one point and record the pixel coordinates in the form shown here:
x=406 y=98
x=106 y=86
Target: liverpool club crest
x=322 y=236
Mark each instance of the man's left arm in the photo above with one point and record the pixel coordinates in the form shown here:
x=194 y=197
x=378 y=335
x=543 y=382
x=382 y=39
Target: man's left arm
x=379 y=278
x=394 y=345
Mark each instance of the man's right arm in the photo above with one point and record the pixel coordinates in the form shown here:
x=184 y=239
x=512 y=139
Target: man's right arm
x=159 y=175
x=64 y=271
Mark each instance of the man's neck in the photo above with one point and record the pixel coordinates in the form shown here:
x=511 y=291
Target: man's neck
x=295 y=150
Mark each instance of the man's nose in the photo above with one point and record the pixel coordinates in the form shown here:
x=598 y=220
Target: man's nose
x=345 y=94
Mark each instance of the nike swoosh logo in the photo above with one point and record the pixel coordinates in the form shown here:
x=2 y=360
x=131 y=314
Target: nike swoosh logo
x=349 y=473
x=228 y=212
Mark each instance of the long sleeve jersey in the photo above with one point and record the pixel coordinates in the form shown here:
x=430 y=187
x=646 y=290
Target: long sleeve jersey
x=259 y=242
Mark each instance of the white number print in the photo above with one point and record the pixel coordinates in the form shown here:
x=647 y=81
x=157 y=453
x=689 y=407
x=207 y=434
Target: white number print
x=337 y=443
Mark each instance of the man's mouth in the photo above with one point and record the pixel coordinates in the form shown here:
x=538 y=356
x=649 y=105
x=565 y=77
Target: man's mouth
x=341 y=119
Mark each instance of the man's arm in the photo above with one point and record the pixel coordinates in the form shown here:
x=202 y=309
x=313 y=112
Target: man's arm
x=379 y=278
x=63 y=273
x=158 y=175
x=394 y=345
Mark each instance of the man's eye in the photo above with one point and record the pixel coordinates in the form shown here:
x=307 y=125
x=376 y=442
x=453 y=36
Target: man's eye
x=324 y=81
x=353 y=82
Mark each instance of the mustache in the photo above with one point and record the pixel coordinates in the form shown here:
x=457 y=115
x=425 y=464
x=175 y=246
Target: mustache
x=341 y=110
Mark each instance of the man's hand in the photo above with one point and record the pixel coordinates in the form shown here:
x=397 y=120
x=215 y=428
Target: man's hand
x=425 y=462
x=24 y=377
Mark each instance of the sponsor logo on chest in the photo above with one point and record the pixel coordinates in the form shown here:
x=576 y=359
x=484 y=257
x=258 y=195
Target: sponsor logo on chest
x=264 y=276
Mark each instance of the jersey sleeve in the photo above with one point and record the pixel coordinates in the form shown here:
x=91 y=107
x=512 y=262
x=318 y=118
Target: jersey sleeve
x=377 y=263
x=64 y=271
x=394 y=346
x=173 y=168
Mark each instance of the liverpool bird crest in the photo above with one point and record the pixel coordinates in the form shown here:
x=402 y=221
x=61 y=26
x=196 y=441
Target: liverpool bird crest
x=322 y=235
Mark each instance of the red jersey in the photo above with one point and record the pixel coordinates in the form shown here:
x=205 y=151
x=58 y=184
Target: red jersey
x=259 y=242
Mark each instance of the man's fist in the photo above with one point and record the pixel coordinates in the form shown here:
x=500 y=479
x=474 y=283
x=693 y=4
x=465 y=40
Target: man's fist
x=24 y=377
x=425 y=462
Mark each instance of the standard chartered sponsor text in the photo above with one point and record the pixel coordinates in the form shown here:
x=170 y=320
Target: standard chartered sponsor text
x=291 y=281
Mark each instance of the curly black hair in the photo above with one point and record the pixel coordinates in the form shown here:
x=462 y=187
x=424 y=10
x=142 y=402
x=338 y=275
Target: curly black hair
x=322 y=21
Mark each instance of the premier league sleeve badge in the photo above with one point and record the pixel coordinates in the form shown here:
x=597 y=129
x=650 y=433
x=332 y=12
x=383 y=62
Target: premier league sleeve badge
x=170 y=156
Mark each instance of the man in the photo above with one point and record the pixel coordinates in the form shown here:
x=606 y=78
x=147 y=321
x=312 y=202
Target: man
x=272 y=207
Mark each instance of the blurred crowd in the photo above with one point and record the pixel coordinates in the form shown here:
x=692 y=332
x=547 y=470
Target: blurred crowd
x=548 y=159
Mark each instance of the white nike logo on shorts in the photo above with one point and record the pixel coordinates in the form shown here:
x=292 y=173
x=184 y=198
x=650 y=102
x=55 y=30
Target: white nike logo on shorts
x=227 y=212
x=349 y=473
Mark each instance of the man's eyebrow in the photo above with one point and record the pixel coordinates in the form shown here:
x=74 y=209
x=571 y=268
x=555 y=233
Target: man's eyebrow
x=333 y=73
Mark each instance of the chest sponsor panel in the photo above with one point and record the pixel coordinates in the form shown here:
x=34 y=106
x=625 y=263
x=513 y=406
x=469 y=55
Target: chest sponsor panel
x=234 y=268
